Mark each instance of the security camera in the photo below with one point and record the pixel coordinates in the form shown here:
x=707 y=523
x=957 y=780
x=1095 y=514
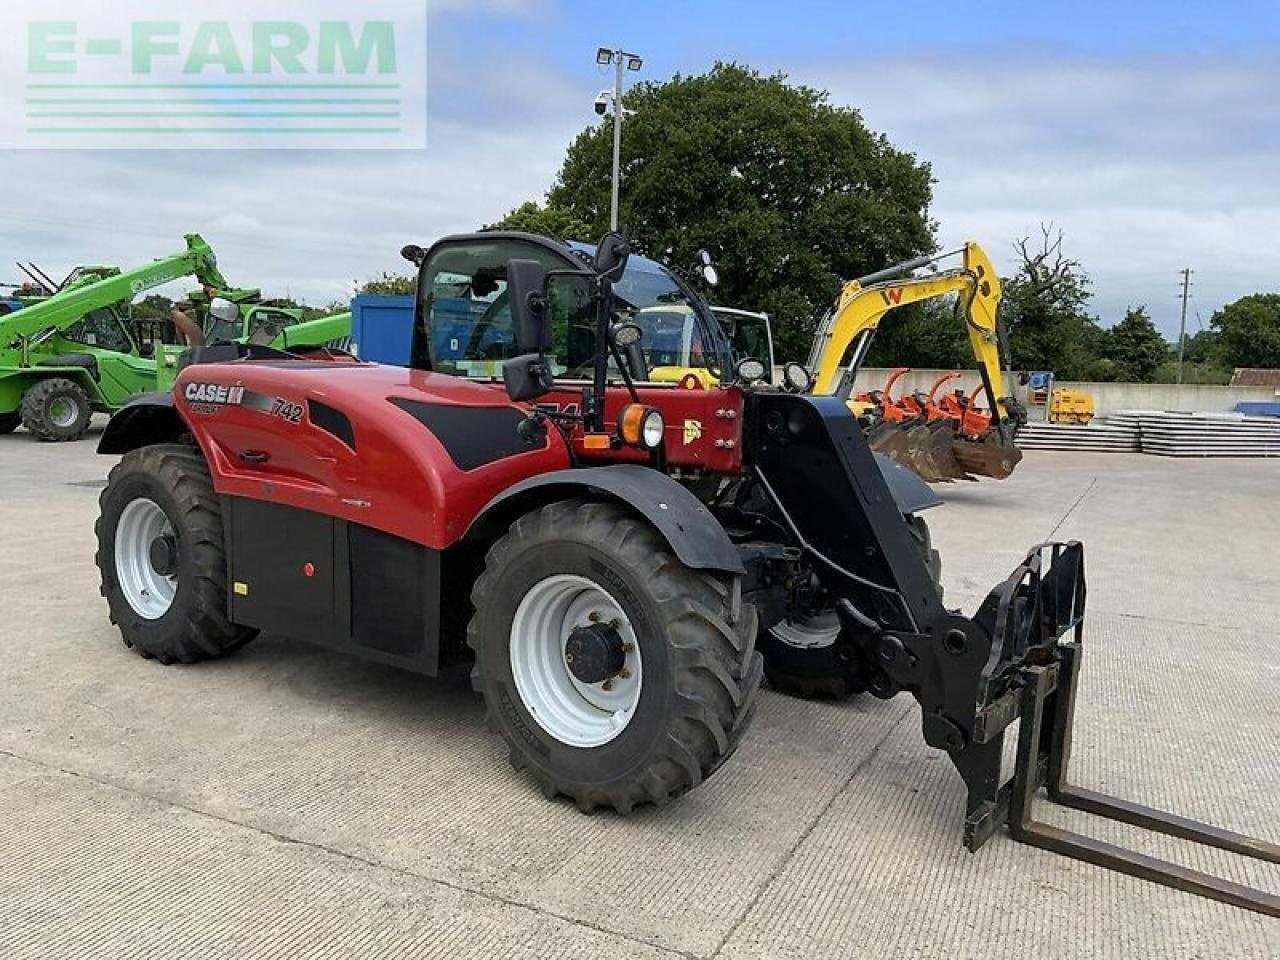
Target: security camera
x=603 y=99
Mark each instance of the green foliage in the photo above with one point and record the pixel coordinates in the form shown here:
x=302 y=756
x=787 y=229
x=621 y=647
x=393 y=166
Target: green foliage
x=1249 y=331
x=1044 y=311
x=1198 y=372
x=1200 y=348
x=790 y=194
x=927 y=335
x=532 y=217
x=390 y=285
x=1136 y=347
x=152 y=307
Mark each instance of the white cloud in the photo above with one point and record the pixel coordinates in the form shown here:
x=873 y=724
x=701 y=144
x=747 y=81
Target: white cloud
x=1149 y=165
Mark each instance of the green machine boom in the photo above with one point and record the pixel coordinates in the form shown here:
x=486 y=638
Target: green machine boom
x=71 y=354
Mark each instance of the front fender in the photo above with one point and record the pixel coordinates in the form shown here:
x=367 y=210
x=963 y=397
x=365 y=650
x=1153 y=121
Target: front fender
x=693 y=533
x=146 y=419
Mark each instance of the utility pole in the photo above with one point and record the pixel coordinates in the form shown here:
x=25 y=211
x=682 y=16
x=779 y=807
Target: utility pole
x=1182 y=329
x=633 y=62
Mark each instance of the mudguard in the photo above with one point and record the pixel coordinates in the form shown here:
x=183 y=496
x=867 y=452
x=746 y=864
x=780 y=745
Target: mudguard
x=910 y=493
x=146 y=418
x=694 y=535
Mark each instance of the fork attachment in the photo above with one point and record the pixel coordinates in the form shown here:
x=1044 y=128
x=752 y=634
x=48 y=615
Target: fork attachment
x=1031 y=615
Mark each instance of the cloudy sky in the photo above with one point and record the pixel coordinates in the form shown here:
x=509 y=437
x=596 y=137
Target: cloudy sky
x=1148 y=132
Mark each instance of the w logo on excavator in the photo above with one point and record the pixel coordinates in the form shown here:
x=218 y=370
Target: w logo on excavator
x=892 y=296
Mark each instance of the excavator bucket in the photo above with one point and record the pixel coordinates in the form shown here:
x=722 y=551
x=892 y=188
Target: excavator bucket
x=993 y=455
x=930 y=449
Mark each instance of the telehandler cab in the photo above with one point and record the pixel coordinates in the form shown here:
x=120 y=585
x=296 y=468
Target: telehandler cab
x=605 y=550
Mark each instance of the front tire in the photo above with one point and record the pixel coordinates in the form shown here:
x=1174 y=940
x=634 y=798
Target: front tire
x=57 y=410
x=670 y=685
x=815 y=659
x=162 y=559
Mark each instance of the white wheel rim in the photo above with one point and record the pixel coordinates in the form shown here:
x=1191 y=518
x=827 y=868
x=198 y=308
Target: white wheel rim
x=809 y=633
x=575 y=713
x=149 y=592
x=63 y=411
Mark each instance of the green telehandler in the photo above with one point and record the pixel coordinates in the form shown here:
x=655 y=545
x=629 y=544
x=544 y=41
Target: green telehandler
x=71 y=354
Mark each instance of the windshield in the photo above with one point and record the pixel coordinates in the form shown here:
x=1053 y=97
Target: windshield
x=465 y=319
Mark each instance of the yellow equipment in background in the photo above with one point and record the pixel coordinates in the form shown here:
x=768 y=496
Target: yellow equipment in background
x=1071 y=406
x=845 y=336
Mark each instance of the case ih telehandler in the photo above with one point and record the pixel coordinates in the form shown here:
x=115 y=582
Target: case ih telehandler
x=623 y=544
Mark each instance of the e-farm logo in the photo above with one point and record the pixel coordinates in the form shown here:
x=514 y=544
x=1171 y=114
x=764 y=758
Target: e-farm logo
x=219 y=74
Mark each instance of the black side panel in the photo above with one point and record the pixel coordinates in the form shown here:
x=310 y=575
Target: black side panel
x=85 y=361
x=334 y=421
x=394 y=590
x=311 y=577
x=472 y=436
x=282 y=570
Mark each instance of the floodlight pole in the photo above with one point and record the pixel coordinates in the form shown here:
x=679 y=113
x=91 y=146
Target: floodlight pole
x=617 y=141
x=621 y=60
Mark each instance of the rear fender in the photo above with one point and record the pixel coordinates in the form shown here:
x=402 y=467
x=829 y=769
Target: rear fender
x=693 y=533
x=146 y=419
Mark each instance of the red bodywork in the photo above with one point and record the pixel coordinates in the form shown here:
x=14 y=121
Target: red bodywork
x=403 y=480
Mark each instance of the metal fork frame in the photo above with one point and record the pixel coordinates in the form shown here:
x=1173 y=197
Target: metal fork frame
x=1044 y=754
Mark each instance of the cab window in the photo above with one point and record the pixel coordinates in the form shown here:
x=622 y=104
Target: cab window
x=101 y=328
x=464 y=326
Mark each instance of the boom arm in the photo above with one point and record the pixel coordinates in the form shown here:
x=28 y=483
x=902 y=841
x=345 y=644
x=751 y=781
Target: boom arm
x=74 y=301
x=858 y=313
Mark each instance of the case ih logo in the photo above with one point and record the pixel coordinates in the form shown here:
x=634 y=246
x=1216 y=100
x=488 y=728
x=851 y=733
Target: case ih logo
x=213 y=393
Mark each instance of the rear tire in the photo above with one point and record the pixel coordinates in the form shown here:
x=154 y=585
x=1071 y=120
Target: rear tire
x=833 y=671
x=56 y=409
x=682 y=701
x=169 y=600
x=9 y=422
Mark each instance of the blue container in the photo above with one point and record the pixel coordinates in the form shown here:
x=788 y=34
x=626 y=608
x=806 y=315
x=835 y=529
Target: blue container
x=382 y=328
x=1259 y=409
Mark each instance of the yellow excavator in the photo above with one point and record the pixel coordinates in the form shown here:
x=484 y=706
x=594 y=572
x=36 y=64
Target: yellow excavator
x=939 y=442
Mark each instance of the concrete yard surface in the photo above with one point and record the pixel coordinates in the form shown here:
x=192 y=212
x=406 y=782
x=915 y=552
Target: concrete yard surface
x=290 y=802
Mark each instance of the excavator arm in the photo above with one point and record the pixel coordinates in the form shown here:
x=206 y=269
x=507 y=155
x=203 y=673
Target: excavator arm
x=853 y=322
x=77 y=299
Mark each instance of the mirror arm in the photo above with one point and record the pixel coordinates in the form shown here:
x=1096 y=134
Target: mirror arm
x=622 y=368
x=604 y=312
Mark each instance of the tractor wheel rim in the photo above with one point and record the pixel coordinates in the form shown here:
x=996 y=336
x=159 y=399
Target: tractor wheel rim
x=148 y=592
x=63 y=412
x=808 y=633
x=573 y=712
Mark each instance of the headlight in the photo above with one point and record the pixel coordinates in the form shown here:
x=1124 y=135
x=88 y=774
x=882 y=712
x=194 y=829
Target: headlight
x=641 y=426
x=651 y=433
x=796 y=378
x=750 y=370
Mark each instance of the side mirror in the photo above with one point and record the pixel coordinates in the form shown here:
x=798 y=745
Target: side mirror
x=611 y=257
x=530 y=318
x=527 y=377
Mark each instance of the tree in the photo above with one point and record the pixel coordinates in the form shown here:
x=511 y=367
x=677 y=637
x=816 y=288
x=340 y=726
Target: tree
x=928 y=335
x=1249 y=331
x=390 y=285
x=1136 y=347
x=1044 y=312
x=532 y=217
x=790 y=194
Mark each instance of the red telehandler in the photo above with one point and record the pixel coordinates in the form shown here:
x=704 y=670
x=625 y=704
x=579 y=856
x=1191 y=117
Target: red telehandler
x=613 y=555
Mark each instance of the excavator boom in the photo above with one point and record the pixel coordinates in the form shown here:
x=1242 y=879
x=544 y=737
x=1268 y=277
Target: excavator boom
x=845 y=336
